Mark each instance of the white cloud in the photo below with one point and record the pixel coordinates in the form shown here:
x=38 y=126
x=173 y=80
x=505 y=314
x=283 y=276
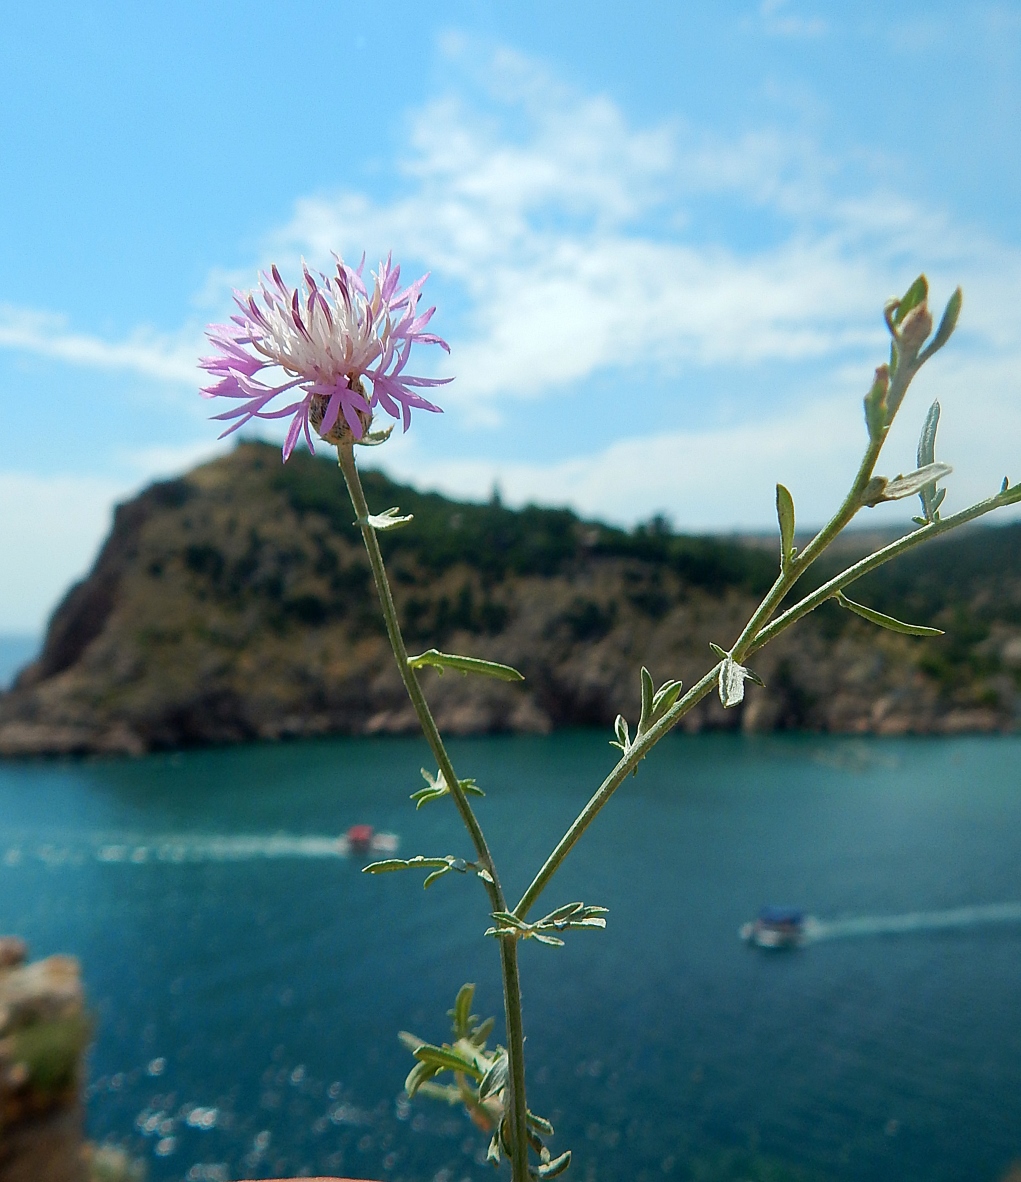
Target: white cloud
x=779 y=21
x=579 y=245
x=50 y=530
x=723 y=479
x=583 y=247
x=144 y=352
x=73 y=514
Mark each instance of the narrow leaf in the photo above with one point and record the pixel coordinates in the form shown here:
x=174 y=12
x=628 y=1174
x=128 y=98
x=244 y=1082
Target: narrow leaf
x=445 y=1059
x=540 y=1123
x=926 y=456
x=884 y=621
x=495 y=1078
x=431 y=878
x=562 y=912
x=437 y=660
x=389 y=864
x=418 y=1075
x=720 y=652
x=666 y=695
x=553 y=1168
x=411 y=1041
x=482 y=1032
x=509 y=919
x=553 y=941
x=462 y=1009
x=927 y=440
x=946 y=325
x=785 y=516
x=648 y=693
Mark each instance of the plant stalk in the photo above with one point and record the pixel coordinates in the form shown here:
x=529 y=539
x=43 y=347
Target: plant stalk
x=508 y=944
x=750 y=641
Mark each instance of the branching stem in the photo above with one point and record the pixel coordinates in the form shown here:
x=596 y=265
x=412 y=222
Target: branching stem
x=755 y=635
x=508 y=945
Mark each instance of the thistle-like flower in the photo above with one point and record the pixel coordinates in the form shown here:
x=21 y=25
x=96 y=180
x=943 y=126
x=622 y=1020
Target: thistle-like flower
x=327 y=336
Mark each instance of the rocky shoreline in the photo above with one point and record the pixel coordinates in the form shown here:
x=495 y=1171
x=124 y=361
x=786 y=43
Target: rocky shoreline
x=235 y=604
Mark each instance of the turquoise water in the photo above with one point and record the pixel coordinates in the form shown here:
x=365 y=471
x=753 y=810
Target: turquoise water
x=249 y=982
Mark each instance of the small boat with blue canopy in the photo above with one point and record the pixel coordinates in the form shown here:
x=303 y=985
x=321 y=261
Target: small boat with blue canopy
x=776 y=927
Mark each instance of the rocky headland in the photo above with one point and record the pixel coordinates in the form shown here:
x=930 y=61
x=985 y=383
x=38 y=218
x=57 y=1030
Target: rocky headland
x=236 y=604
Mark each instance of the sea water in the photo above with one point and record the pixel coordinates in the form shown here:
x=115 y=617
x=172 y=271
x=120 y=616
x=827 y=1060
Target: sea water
x=249 y=981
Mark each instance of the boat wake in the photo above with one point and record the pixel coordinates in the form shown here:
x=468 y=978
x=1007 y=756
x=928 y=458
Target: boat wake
x=193 y=848
x=912 y=921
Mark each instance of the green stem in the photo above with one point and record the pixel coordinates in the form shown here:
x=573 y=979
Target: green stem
x=865 y=565
x=791 y=572
x=637 y=752
x=751 y=642
x=508 y=945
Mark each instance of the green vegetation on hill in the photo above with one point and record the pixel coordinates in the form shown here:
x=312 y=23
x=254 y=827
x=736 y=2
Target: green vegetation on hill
x=236 y=602
x=497 y=541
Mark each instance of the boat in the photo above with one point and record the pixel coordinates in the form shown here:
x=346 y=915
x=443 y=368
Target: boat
x=359 y=839
x=776 y=927
x=363 y=839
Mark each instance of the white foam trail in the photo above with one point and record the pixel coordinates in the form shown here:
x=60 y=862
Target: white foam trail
x=193 y=848
x=912 y=921
x=223 y=849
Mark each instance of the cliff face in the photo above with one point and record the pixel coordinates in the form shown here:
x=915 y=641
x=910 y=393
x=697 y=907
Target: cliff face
x=43 y=1035
x=236 y=603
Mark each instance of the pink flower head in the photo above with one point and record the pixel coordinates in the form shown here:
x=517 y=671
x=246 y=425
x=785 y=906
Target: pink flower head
x=327 y=336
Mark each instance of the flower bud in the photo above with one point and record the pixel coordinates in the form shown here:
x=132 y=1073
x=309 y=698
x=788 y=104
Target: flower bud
x=914 y=330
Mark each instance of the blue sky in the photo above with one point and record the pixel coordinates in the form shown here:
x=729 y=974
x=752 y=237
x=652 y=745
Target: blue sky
x=659 y=241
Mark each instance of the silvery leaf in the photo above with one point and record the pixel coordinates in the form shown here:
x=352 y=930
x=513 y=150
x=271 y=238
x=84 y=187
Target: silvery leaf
x=539 y=1123
x=435 y=788
x=493 y=1153
x=926 y=455
x=553 y=1168
x=495 y=1078
x=927 y=440
x=732 y=679
x=905 y=486
x=388 y=519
